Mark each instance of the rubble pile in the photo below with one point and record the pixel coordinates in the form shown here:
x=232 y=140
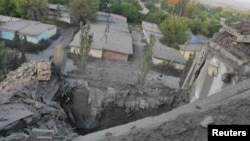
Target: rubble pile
x=233 y=54
x=131 y=100
x=21 y=82
x=33 y=111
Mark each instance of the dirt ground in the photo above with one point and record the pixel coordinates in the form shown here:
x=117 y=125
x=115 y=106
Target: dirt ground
x=123 y=72
x=64 y=39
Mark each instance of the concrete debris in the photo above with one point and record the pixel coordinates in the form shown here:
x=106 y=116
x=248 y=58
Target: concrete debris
x=24 y=82
x=26 y=95
x=228 y=107
x=208 y=120
x=44 y=71
x=131 y=100
x=16 y=137
x=13 y=113
x=42 y=132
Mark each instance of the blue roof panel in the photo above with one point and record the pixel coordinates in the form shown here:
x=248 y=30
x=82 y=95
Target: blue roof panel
x=195 y=40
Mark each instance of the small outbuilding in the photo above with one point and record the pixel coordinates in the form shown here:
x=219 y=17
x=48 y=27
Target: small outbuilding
x=32 y=31
x=163 y=54
x=110 y=40
x=193 y=46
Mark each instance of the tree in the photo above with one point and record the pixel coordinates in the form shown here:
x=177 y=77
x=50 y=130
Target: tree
x=174 y=30
x=156 y=16
x=62 y=2
x=192 y=10
x=7 y=7
x=86 y=40
x=130 y=11
x=214 y=26
x=199 y=27
x=31 y=9
x=83 y=10
x=172 y=3
x=6 y=56
x=150 y=5
x=147 y=60
x=177 y=7
x=164 y=4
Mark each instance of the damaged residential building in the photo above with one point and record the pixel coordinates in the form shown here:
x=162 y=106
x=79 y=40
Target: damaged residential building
x=111 y=38
x=224 y=61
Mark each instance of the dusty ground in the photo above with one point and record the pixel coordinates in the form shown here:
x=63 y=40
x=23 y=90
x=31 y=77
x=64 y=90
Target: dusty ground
x=123 y=72
x=65 y=38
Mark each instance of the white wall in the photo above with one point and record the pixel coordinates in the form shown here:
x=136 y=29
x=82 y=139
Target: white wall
x=52 y=32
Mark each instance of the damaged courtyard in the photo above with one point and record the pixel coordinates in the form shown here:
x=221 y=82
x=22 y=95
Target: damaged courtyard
x=105 y=95
x=137 y=71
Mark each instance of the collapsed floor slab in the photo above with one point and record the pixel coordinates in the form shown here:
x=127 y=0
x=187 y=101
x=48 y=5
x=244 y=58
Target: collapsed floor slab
x=12 y=113
x=231 y=106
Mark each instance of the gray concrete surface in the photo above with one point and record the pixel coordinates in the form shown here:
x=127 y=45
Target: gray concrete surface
x=65 y=38
x=123 y=72
x=12 y=113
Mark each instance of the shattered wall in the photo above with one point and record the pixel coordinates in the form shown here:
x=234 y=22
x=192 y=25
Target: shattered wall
x=26 y=104
x=187 y=123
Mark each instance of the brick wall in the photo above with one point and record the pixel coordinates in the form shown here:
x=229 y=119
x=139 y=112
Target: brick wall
x=114 y=55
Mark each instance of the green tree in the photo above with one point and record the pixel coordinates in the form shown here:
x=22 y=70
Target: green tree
x=155 y=16
x=130 y=11
x=191 y=10
x=164 y=4
x=174 y=30
x=177 y=7
x=214 y=26
x=7 y=7
x=6 y=56
x=30 y=9
x=83 y=10
x=147 y=60
x=199 y=27
x=150 y=5
x=86 y=40
x=62 y=2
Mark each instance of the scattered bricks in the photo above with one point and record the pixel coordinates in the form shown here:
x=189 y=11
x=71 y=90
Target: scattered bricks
x=42 y=132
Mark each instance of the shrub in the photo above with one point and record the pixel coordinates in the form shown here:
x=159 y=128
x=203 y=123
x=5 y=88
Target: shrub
x=28 y=46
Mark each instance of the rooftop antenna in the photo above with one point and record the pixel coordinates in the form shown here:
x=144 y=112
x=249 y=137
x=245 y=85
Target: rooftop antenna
x=107 y=5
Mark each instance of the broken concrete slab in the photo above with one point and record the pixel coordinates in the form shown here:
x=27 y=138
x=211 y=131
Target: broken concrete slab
x=13 y=113
x=183 y=124
x=16 y=137
x=42 y=132
x=43 y=138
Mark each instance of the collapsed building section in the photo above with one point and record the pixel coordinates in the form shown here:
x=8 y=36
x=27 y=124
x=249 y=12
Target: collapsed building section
x=186 y=123
x=224 y=61
x=26 y=107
